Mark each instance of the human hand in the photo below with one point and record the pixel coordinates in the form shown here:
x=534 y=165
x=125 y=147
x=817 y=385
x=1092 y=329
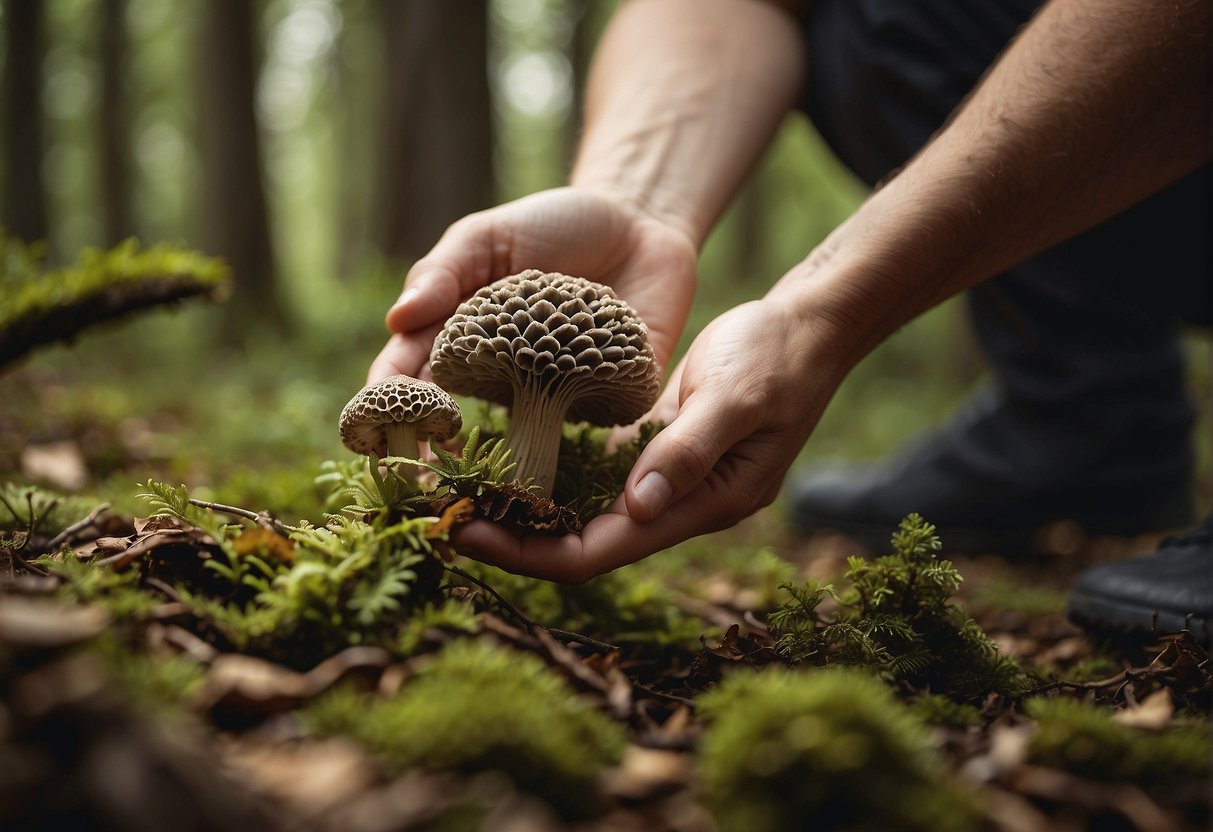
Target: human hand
x=649 y=263
x=745 y=400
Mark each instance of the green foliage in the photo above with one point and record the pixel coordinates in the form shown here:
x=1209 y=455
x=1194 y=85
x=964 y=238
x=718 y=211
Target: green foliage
x=38 y=305
x=1083 y=739
x=23 y=507
x=895 y=616
x=828 y=748
x=1028 y=600
x=588 y=476
x=451 y=615
x=347 y=582
x=480 y=707
x=156 y=682
x=626 y=606
x=86 y=584
x=479 y=464
x=936 y=709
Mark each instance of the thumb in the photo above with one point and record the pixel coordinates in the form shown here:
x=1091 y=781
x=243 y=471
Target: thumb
x=681 y=456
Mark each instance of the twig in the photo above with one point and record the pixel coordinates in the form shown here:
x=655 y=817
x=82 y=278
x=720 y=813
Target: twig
x=168 y=591
x=263 y=519
x=61 y=538
x=526 y=623
x=568 y=635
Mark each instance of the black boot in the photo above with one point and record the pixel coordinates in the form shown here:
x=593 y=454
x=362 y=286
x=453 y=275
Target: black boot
x=1165 y=592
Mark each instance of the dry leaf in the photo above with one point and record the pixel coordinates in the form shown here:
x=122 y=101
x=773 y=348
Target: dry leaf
x=458 y=512
x=26 y=622
x=60 y=464
x=1153 y=713
x=265 y=543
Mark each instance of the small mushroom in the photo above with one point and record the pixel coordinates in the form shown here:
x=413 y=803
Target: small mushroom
x=550 y=347
x=390 y=417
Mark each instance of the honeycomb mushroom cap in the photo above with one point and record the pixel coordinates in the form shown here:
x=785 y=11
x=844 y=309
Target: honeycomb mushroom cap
x=426 y=406
x=567 y=336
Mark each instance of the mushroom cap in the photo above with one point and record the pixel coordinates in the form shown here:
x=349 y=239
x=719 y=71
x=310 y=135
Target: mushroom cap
x=569 y=336
x=398 y=398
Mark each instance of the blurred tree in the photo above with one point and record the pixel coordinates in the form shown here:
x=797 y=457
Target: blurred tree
x=437 y=152
x=589 y=19
x=116 y=173
x=24 y=198
x=235 y=217
x=358 y=78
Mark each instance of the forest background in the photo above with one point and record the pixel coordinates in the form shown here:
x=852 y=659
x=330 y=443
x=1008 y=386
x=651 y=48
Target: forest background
x=319 y=146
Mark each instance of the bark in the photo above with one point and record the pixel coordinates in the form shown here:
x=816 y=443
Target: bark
x=115 y=125
x=437 y=131
x=24 y=197
x=235 y=222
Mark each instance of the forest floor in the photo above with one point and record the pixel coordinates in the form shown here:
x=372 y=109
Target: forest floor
x=172 y=671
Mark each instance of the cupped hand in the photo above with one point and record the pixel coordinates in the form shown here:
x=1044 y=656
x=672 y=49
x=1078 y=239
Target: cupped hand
x=745 y=400
x=649 y=263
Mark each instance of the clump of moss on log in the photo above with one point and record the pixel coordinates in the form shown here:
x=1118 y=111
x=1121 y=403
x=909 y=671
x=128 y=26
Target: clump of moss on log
x=41 y=306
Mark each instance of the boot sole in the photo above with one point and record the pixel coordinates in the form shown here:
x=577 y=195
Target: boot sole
x=1115 y=616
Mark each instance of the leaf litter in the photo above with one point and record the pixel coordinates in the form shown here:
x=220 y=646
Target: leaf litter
x=233 y=750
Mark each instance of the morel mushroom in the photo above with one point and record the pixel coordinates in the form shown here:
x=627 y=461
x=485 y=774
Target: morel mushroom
x=389 y=418
x=551 y=347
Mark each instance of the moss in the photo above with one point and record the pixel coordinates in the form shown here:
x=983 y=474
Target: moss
x=786 y=749
x=935 y=709
x=39 y=306
x=626 y=607
x=1028 y=600
x=480 y=707
x=1084 y=740
x=894 y=614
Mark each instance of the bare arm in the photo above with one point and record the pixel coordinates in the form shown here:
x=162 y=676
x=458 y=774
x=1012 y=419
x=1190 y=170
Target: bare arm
x=1098 y=104
x=683 y=97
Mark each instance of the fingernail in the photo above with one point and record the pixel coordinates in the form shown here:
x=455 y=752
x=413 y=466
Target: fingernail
x=406 y=296
x=654 y=491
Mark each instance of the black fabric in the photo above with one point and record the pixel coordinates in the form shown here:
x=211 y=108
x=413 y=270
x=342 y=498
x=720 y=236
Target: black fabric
x=1082 y=339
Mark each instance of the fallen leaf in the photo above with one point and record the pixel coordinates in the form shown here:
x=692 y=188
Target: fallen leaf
x=1153 y=713
x=60 y=464
x=41 y=624
x=265 y=543
x=458 y=512
x=251 y=685
x=645 y=773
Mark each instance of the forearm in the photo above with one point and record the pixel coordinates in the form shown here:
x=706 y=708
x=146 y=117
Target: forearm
x=682 y=98
x=1096 y=106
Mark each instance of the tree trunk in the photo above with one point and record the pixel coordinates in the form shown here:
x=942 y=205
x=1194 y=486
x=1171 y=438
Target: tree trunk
x=115 y=126
x=437 y=155
x=235 y=222
x=357 y=103
x=24 y=198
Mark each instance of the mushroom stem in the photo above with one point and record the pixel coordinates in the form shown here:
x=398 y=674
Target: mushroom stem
x=402 y=441
x=534 y=434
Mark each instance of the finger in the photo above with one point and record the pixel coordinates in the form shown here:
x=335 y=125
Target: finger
x=407 y=354
x=683 y=454
x=460 y=262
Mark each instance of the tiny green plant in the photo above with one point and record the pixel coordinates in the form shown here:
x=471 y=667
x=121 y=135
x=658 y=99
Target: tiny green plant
x=895 y=614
